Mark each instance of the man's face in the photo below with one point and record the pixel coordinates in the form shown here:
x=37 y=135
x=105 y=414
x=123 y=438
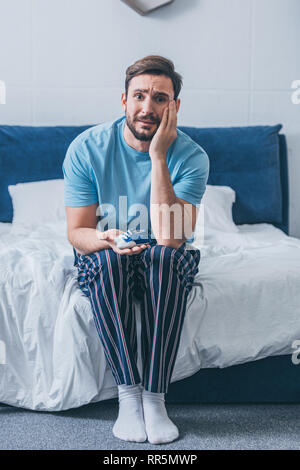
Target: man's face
x=148 y=96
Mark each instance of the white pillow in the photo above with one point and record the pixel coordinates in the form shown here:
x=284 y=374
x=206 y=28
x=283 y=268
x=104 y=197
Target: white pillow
x=217 y=202
x=36 y=203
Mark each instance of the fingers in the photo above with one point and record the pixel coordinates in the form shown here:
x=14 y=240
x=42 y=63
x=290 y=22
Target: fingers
x=138 y=248
x=132 y=251
x=172 y=115
x=165 y=117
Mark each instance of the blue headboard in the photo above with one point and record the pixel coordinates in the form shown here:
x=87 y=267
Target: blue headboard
x=252 y=160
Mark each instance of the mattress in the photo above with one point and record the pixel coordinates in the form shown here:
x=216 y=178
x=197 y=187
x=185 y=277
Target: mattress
x=244 y=306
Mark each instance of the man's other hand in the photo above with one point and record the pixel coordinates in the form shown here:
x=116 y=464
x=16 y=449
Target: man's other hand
x=111 y=234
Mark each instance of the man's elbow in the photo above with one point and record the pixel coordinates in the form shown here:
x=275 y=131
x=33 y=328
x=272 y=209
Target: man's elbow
x=70 y=236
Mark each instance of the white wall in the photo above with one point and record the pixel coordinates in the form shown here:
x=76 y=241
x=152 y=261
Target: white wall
x=64 y=62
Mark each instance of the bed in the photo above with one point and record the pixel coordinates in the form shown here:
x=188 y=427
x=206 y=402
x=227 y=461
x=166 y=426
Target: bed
x=242 y=321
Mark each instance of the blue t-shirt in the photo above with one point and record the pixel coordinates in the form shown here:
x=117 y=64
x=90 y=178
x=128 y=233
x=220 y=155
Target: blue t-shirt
x=101 y=167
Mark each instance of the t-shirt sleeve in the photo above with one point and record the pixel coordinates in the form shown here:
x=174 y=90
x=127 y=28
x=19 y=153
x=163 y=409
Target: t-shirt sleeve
x=192 y=177
x=79 y=187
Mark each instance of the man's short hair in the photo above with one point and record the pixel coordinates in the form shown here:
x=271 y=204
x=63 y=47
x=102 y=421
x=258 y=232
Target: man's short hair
x=154 y=65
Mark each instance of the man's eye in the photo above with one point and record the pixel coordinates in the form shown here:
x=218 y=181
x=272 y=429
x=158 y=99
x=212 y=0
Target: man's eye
x=138 y=95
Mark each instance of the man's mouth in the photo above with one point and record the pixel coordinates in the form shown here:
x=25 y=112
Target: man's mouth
x=146 y=122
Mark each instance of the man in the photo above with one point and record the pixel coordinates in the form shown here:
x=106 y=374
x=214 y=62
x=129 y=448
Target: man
x=144 y=158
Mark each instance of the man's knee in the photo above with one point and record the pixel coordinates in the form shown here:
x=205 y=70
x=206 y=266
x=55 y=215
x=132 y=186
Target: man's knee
x=163 y=253
x=180 y=259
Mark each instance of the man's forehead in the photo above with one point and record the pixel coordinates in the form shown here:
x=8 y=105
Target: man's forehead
x=155 y=84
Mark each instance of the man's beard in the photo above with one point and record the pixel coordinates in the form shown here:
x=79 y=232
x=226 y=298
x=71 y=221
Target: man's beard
x=140 y=135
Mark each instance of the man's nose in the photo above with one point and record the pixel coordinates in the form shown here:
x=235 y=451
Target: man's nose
x=148 y=106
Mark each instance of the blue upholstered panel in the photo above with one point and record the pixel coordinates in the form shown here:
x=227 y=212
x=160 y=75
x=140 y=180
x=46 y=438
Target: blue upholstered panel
x=31 y=154
x=245 y=158
x=248 y=160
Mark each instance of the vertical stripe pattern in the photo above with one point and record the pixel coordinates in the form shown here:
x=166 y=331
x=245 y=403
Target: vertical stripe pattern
x=160 y=278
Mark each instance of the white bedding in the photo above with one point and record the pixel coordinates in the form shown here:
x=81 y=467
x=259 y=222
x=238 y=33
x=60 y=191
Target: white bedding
x=245 y=306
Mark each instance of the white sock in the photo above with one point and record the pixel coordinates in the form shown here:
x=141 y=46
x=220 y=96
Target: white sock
x=130 y=424
x=159 y=427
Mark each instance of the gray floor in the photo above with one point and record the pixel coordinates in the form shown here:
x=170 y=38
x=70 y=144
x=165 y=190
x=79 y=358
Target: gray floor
x=235 y=426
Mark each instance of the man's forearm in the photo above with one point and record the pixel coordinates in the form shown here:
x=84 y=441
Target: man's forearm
x=85 y=240
x=167 y=225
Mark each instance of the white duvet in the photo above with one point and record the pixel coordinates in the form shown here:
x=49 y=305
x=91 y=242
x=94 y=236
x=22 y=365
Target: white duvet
x=244 y=306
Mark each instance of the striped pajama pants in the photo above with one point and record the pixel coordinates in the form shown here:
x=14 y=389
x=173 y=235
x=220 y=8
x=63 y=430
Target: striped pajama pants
x=159 y=277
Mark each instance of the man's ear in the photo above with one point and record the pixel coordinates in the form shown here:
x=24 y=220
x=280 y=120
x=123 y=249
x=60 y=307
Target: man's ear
x=123 y=101
x=177 y=105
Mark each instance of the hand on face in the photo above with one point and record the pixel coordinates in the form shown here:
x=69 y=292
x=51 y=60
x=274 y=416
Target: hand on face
x=165 y=134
